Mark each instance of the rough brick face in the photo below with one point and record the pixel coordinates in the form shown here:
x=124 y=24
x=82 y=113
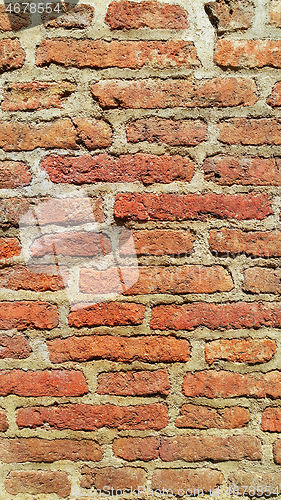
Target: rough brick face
x=38 y=481
x=111 y=477
x=16 y=347
x=125 y=349
x=230 y=15
x=262 y=280
x=185 y=93
x=37 y=278
x=121 y=54
x=71 y=244
x=271 y=420
x=251 y=243
x=275 y=13
x=45 y=383
x=186 y=479
x=173 y=132
x=12 y=56
x=156 y=242
x=134 y=383
x=240 y=351
x=87 y=417
x=109 y=314
x=12 y=21
x=202 y=417
x=3 y=421
x=248 y=53
x=23 y=315
x=75 y=17
x=250 y=131
x=146 y=14
x=131 y=449
x=35 y=95
x=9 y=247
x=14 y=174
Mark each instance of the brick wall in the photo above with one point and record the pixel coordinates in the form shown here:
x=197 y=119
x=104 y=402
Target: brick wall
x=140 y=246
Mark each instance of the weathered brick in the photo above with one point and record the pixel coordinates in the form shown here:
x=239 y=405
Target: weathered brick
x=219 y=449
x=71 y=243
x=183 y=480
x=133 y=383
x=88 y=417
x=27 y=315
x=60 y=133
x=203 y=417
x=12 y=56
x=111 y=477
x=223 y=384
x=9 y=247
x=248 y=53
x=125 y=168
x=244 y=170
x=130 y=448
x=121 y=54
x=275 y=97
x=156 y=242
x=149 y=206
x=36 y=95
x=16 y=347
x=39 y=278
x=275 y=13
x=146 y=14
x=108 y=314
x=262 y=280
x=277 y=451
x=240 y=350
x=36 y=482
x=15 y=450
x=153 y=349
x=251 y=131
x=75 y=17
x=271 y=419
x=3 y=421
x=174 y=132
x=14 y=174
x=254 y=483
x=186 y=93
x=230 y=15
x=216 y=316
x=12 y=211
x=12 y=21
x=253 y=243
x=172 y=279
x=43 y=383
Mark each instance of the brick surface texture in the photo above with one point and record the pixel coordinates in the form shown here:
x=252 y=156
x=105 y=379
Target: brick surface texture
x=140 y=247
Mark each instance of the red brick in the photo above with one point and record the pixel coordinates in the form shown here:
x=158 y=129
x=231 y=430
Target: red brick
x=120 y=54
x=145 y=14
x=130 y=448
x=125 y=168
x=248 y=53
x=14 y=174
x=218 y=449
x=43 y=383
x=71 y=243
x=16 y=450
x=36 y=95
x=216 y=316
x=262 y=280
x=133 y=383
x=87 y=417
x=60 y=133
x=9 y=247
x=223 y=384
x=108 y=314
x=156 y=242
x=111 y=477
x=149 y=206
x=277 y=451
x=16 y=347
x=11 y=212
x=174 y=132
x=190 y=480
x=172 y=279
x=252 y=243
x=256 y=483
x=28 y=315
x=275 y=97
x=12 y=56
x=240 y=350
x=75 y=17
x=12 y=21
x=3 y=421
x=35 y=482
x=275 y=13
x=230 y=15
x=153 y=349
x=186 y=93
x=251 y=131
x=203 y=417
x=271 y=419
x=39 y=278
x=244 y=170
